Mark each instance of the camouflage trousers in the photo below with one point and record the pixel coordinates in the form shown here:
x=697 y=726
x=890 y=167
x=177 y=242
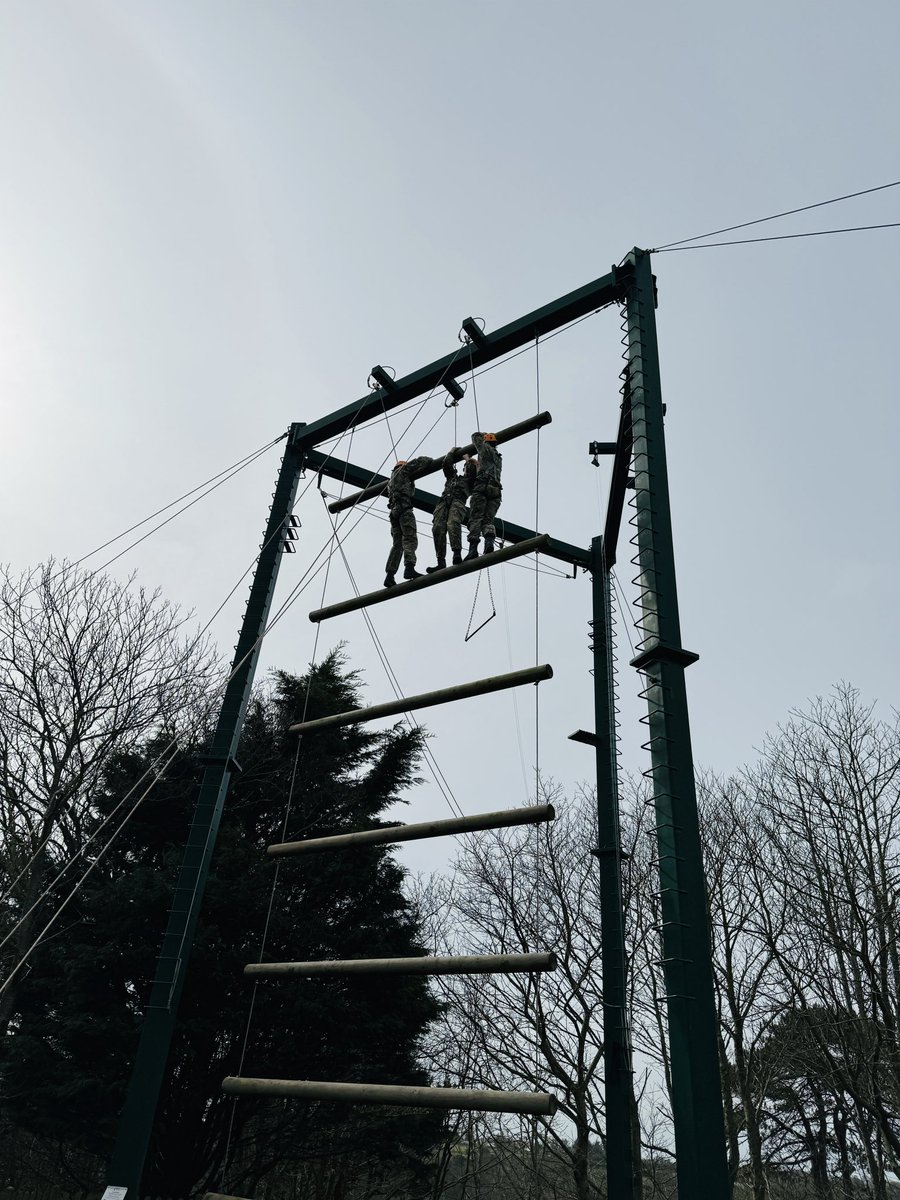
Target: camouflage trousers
x=405 y=539
x=482 y=510
x=448 y=519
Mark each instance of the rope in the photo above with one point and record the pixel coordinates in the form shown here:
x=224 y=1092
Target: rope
x=439 y=777
x=474 y=392
x=784 y=237
x=777 y=216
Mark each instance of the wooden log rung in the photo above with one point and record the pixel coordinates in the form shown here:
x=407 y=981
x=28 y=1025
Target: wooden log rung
x=461 y=964
x=221 y=1196
x=539 y=1103
x=534 y=814
x=514 y=550
x=460 y=691
x=503 y=435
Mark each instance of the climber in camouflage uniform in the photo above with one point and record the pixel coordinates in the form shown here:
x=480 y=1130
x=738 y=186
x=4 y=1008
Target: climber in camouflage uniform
x=486 y=492
x=400 y=490
x=450 y=514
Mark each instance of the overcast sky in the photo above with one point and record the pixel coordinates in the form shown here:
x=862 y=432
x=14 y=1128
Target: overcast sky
x=216 y=216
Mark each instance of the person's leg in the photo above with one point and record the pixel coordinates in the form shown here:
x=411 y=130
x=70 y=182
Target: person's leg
x=439 y=527
x=454 y=528
x=476 y=518
x=396 y=552
x=410 y=540
x=488 y=528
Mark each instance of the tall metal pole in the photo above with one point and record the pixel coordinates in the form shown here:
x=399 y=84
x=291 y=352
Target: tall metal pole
x=701 y=1161
x=148 y=1073
x=623 y=1164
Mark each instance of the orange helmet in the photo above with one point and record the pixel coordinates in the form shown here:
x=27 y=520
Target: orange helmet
x=490 y=437
x=401 y=462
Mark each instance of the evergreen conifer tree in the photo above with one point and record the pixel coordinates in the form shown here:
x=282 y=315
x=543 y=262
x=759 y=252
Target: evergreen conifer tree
x=67 y=1061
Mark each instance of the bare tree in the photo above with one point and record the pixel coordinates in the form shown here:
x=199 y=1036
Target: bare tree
x=517 y=890
x=89 y=668
x=828 y=796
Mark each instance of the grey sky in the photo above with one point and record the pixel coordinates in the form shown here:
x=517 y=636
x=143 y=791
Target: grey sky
x=215 y=217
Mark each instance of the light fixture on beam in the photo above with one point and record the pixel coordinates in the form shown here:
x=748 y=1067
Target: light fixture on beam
x=456 y=390
x=382 y=378
x=472 y=332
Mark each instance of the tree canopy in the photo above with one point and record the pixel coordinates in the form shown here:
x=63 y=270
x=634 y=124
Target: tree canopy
x=68 y=1059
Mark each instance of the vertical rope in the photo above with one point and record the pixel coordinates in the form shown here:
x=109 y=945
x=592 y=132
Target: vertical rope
x=535 y=1189
x=474 y=392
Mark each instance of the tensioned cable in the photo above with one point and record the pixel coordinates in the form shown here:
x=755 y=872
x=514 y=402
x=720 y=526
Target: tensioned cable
x=624 y=609
x=538 y=869
x=398 y=691
x=292 y=598
x=228 y=473
x=556 y=332
x=172 y=744
x=783 y=237
x=777 y=216
x=56 y=915
x=297 y=591
x=242 y=462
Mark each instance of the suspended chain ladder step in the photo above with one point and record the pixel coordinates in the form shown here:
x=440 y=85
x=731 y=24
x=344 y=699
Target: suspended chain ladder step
x=536 y=1103
x=463 y=964
x=503 y=435
x=532 y=815
x=460 y=691
x=490 y=559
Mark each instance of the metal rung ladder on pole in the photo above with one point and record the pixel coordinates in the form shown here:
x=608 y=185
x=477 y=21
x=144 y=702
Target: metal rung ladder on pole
x=490 y=559
x=463 y=964
x=534 y=814
x=460 y=691
x=535 y=1103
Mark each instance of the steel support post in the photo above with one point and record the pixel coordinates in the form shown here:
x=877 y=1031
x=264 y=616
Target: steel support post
x=623 y=1163
x=701 y=1161
x=157 y=1030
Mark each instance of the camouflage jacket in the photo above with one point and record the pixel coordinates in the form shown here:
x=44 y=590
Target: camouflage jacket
x=490 y=462
x=456 y=487
x=401 y=485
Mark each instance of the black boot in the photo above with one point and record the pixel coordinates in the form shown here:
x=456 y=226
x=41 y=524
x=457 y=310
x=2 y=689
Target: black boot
x=488 y=545
x=410 y=572
x=440 y=565
x=390 y=581
x=473 y=549
x=457 y=557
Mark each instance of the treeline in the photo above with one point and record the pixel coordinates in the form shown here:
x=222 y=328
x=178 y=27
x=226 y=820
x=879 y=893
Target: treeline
x=802 y=854
x=106 y=699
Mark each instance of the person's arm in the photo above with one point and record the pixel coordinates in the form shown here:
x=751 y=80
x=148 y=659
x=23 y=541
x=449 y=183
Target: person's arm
x=449 y=463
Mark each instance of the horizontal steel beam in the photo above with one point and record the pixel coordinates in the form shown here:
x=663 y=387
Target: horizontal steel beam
x=460 y=691
x=532 y=815
x=460 y=964
x=503 y=435
x=605 y=290
x=537 y=1103
x=336 y=468
x=535 y=546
